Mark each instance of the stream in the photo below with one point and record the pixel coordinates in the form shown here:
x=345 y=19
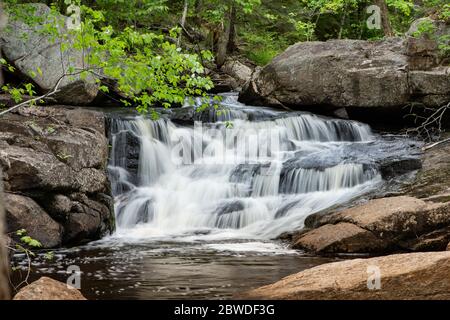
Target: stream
x=198 y=206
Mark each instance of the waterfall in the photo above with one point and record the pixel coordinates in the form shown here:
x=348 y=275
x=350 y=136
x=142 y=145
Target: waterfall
x=170 y=179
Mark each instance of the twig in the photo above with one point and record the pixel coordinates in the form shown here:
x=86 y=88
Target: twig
x=48 y=94
x=430 y=126
x=435 y=144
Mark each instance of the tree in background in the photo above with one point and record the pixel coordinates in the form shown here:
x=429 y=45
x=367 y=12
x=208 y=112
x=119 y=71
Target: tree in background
x=147 y=67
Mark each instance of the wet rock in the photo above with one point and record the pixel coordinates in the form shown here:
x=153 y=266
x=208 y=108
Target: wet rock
x=341 y=237
x=184 y=116
x=25 y=213
x=395 y=166
x=403 y=276
x=28 y=48
x=82 y=227
x=404 y=156
x=48 y=289
x=433 y=179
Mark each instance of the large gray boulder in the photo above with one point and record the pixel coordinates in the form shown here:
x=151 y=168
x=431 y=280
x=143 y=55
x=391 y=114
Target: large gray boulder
x=351 y=74
x=55 y=158
x=29 y=49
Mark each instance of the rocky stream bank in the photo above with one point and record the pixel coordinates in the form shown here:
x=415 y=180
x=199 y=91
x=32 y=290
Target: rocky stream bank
x=54 y=159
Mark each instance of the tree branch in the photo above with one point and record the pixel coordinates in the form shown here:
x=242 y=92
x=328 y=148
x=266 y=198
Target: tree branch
x=48 y=94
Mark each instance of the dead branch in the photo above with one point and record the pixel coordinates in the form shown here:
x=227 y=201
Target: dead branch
x=435 y=144
x=48 y=94
x=430 y=127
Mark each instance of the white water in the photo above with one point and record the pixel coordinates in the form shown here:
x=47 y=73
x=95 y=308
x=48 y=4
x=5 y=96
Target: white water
x=232 y=183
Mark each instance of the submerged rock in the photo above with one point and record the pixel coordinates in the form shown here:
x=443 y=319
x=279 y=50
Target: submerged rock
x=402 y=276
x=403 y=156
x=48 y=289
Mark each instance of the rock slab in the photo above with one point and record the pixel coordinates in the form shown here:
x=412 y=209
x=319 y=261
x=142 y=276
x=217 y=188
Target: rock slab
x=413 y=276
x=379 y=226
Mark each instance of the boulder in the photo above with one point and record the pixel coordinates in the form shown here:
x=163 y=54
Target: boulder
x=370 y=79
x=48 y=289
x=413 y=276
x=25 y=213
x=441 y=27
x=37 y=55
x=433 y=178
x=430 y=85
x=379 y=226
x=57 y=157
x=338 y=73
x=342 y=237
x=239 y=71
x=223 y=83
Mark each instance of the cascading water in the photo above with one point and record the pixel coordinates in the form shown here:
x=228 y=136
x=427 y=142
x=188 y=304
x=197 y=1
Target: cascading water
x=198 y=206
x=218 y=180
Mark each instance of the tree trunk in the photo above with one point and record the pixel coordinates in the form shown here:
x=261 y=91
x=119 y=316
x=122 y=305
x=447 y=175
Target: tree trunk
x=222 y=46
x=231 y=47
x=198 y=8
x=183 y=20
x=341 y=29
x=4 y=265
x=385 y=23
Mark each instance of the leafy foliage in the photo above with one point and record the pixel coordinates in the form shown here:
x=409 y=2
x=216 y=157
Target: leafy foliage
x=148 y=68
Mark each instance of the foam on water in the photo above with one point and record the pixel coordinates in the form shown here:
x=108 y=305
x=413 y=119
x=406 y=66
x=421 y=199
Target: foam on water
x=222 y=182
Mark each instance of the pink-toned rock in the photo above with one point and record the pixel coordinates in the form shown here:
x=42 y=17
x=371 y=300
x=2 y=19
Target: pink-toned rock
x=48 y=289
x=402 y=276
x=342 y=237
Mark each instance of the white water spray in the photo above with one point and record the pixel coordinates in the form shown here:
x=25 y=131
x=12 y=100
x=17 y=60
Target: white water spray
x=231 y=182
